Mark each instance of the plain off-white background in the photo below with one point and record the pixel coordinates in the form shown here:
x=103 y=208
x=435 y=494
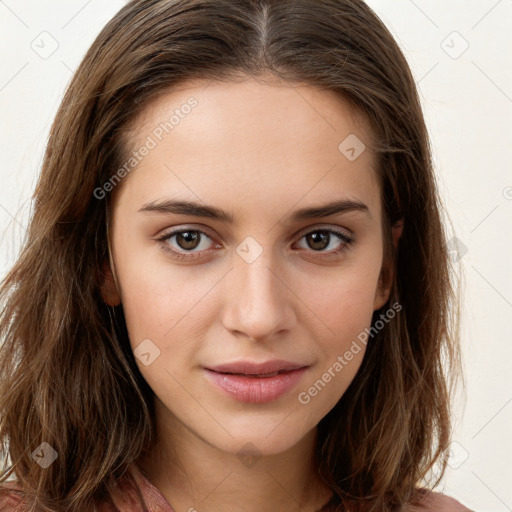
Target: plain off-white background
x=461 y=56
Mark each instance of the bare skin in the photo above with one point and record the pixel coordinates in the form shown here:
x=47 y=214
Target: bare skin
x=259 y=152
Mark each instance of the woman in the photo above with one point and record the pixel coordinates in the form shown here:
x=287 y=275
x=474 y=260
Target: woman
x=235 y=291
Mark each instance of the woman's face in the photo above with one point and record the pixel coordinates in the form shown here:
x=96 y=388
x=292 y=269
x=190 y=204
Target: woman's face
x=221 y=268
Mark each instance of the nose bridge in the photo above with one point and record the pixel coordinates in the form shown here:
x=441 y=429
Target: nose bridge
x=257 y=278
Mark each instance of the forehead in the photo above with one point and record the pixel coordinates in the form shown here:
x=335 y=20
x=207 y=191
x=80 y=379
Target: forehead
x=275 y=140
x=303 y=108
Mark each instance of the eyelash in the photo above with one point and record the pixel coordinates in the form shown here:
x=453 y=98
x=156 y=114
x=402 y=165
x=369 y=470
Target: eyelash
x=164 y=239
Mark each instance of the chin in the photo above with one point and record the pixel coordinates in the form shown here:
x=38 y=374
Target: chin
x=261 y=439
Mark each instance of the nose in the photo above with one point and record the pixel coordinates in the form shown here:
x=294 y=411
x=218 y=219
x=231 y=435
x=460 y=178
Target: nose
x=259 y=303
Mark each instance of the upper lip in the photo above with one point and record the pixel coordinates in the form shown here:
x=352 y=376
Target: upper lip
x=250 y=368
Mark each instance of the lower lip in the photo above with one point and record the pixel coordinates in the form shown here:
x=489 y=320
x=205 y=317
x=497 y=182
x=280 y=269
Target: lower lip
x=255 y=389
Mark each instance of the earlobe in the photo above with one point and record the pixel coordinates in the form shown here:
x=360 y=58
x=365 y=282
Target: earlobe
x=108 y=286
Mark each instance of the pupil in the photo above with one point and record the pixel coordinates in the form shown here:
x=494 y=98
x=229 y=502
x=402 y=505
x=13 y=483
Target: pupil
x=315 y=237
x=190 y=239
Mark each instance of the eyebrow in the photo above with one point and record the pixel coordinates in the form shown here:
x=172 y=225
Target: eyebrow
x=196 y=209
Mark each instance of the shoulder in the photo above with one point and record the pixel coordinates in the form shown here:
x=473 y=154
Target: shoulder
x=438 y=502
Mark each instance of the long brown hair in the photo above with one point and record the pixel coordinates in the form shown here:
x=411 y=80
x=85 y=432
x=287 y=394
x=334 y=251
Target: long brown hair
x=68 y=375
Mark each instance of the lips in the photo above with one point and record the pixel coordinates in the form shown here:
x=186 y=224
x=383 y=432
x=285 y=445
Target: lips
x=256 y=382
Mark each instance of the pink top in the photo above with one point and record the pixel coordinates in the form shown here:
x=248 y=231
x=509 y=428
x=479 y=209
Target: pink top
x=126 y=501
x=129 y=503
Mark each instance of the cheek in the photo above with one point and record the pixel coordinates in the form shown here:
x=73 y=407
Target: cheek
x=344 y=302
x=155 y=304
x=343 y=309
x=166 y=304
x=163 y=318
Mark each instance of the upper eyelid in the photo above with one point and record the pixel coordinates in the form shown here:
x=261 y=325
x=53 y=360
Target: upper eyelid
x=322 y=227
x=176 y=230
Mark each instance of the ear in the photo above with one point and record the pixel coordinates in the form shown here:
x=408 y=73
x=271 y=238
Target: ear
x=397 y=230
x=108 y=287
x=387 y=272
x=383 y=286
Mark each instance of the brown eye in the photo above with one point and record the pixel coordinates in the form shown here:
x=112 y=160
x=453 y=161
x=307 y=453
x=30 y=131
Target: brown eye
x=187 y=239
x=318 y=240
x=188 y=243
x=321 y=239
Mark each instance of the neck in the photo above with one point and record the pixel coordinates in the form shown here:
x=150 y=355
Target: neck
x=192 y=474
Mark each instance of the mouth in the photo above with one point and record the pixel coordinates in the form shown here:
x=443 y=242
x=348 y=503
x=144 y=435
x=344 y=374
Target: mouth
x=256 y=382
